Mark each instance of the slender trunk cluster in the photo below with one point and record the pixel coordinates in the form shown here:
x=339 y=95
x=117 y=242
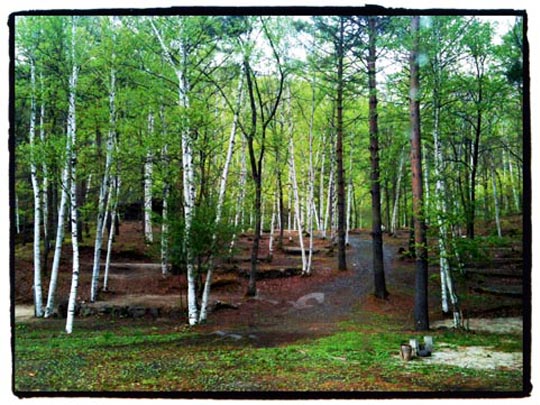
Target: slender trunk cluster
x=60 y=229
x=219 y=207
x=239 y=214
x=105 y=190
x=188 y=178
x=312 y=210
x=115 y=188
x=447 y=283
x=297 y=218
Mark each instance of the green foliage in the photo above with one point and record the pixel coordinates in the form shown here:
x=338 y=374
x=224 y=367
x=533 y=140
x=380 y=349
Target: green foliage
x=145 y=82
x=200 y=237
x=479 y=250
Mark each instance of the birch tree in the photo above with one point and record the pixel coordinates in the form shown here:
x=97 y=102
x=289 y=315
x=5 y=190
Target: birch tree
x=114 y=198
x=38 y=294
x=45 y=180
x=442 y=55
x=180 y=59
x=105 y=188
x=72 y=157
x=305 y=269
x=148 y=184
x=394 y=221
x=220 y=202
x=60 y=227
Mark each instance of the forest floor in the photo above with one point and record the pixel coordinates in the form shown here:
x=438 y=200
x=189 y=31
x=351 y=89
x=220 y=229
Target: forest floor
x=291 y=310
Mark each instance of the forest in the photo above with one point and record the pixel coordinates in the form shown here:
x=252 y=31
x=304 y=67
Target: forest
x=225 y=165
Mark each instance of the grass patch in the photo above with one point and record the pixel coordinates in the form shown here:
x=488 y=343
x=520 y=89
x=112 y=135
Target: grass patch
x=359 y=357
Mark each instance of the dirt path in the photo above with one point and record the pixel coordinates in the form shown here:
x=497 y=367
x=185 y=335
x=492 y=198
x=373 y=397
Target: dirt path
x=284 y=309
x=313 y=309
x=345 y=291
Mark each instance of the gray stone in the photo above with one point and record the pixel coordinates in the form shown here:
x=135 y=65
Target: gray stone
x=234 y=336
x=136 y=312
x=153 y=312
x=86 y=311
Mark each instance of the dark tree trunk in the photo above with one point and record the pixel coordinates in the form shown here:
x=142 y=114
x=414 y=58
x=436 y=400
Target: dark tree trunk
x=376 y=231
x=342 y=263
x=421 y=318
x=471 y=217
x=256 y=162
x=252 y=286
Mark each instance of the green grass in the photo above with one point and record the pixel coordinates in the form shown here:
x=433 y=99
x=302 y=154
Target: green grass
x=159 y=358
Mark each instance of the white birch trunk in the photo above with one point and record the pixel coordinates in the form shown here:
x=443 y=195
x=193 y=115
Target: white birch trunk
x=72 y=137
x=303 y=206
x=447 y=284
x=148 y=169
x=44 y=168
x=504 y=195
x=349 y=206
x=189 y=199
x=219 y=209
x=115 y=187
x=60 y=229
x=238 y=216
x=278 y=214
x=311 y=185
x=393 y=223
x=349 y=200
x=321 y=194
x=165 y=231
x=275 y=208
x=262 y=218
x=513 y=186
x=297 y=204
x=329 y=203
x=289 y=209
x=108 y=209
x=38 y=293
x=104 y=190
x=17 y=218
x=189 y=193
x=427 y=180
x=88 y=187
x=164 y=238
x=496 y=202
x=188 y=174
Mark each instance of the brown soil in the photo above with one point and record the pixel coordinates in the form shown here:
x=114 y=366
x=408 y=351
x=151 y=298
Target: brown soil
x=283 y=310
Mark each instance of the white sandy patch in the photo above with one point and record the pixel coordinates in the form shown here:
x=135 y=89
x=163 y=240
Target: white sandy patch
x=493 y=325
x=477 y=357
